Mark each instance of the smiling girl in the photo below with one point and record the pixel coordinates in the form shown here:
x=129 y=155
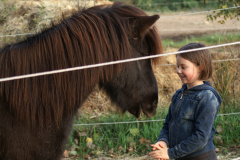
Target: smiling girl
x=188 y=129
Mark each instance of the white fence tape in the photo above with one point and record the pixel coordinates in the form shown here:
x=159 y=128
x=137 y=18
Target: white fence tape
x=110 y=63
x=159 y=120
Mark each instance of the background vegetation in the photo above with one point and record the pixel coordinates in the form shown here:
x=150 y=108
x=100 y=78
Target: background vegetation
x=227 y=14
x=173 y=5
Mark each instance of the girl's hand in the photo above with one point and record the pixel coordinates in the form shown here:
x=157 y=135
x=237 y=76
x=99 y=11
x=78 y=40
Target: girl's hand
x=160 y=153
x=159 y=145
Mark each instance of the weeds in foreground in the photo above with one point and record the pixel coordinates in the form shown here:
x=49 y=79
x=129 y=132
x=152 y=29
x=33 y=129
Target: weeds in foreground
x=113 y=140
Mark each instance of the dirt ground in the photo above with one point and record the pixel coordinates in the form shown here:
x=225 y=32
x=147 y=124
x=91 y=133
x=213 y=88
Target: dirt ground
x=228 y=156
x=177 y=27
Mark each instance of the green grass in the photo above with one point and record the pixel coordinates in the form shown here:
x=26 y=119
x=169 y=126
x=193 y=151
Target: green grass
x=211 y=39
x=230 y=125
x=108 y=136
x=231 y=129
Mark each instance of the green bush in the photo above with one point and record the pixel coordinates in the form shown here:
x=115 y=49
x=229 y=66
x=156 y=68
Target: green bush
x=172 y=5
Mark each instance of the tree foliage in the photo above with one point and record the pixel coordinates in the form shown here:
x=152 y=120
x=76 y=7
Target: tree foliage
x=172 y=5
x=222 y=15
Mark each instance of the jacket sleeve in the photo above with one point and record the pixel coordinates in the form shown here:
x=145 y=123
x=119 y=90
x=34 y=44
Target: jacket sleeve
x=164 y=134
x=205 y=115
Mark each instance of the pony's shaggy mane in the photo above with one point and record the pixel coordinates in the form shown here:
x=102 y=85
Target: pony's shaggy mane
x=95 y=35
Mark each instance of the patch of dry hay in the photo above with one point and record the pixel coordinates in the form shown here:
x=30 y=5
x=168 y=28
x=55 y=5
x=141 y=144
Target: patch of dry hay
x=21 y=16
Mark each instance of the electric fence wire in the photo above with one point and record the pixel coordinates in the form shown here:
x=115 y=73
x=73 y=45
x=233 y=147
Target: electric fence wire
x=158 y=120
x=199 y=29
x=201 y=12
x=160 y=30
x=111 y=63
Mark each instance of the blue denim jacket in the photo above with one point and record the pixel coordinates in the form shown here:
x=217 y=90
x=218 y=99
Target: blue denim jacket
x=188 y=129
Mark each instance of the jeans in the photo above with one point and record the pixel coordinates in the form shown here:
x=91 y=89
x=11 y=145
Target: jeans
x=210 y=155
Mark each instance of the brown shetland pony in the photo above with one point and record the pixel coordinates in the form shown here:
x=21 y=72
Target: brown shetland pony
x=36 y=114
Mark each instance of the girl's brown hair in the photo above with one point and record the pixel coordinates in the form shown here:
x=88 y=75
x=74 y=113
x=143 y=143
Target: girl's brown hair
x=201 y=58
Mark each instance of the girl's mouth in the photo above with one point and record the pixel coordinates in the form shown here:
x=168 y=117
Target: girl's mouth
x=181 y=77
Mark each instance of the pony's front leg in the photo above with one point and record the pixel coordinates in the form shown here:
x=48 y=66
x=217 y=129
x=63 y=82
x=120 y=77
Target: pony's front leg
x=19 y=141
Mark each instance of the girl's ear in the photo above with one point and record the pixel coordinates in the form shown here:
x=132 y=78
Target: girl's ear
x=200 y=68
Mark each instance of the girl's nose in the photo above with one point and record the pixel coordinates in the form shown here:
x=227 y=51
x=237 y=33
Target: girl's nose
x=178 y=70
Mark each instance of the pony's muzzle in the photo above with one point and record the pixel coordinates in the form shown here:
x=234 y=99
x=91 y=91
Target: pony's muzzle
x=154 y=104
x=150 y=109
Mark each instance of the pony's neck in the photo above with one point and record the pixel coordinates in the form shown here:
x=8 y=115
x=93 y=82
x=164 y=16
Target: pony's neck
x=84 y=39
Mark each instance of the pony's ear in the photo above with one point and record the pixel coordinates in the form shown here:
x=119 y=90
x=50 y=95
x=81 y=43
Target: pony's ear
x=143 y=23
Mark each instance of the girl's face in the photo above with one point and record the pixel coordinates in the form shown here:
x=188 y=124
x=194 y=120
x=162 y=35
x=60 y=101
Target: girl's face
x=188 y=72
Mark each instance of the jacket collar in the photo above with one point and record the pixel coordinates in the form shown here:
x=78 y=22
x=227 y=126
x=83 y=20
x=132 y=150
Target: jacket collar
x=205 y=86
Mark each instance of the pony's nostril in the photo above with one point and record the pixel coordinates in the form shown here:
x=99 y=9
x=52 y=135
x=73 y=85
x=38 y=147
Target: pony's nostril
x=154 y=104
